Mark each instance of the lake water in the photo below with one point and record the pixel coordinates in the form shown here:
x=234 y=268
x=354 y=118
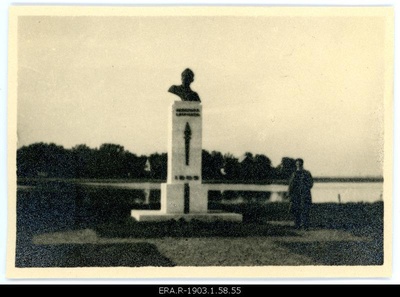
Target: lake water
x=349 y=192
x=322 y=192
x=327 y=192
x=46 y=206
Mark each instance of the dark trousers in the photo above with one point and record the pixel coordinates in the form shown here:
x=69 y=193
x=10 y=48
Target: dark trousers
x=302 y=216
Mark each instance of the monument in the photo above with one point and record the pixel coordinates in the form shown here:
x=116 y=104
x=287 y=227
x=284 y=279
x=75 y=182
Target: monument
x=184 y=196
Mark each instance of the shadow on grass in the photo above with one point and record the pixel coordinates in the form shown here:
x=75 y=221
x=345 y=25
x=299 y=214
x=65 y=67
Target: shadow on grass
x=193 y=228
x=339 y=252
x=91 y=255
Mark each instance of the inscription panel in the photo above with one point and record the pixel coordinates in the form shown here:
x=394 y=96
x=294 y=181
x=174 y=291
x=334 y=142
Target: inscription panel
x=187 y=177
x=189 y=112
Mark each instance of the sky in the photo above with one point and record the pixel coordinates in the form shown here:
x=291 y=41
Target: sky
x=279 y=85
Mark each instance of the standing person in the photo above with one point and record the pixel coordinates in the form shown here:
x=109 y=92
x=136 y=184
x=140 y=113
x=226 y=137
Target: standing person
x=300 y=185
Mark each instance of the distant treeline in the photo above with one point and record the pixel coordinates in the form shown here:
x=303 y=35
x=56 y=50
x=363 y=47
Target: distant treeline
x=348 y=179
x=113 y=161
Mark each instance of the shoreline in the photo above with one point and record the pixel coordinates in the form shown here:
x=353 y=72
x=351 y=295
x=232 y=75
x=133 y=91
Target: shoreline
x=24 y=180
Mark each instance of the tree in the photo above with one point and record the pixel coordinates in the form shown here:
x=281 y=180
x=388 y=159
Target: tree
x=262 y=168
x=206 y=168
x=133 y=166
x=217 y=163
x=212 y=164
x=84 y=160
x=109 y=160
x=46 y=160
x=286 y=168
x=113 y=161
x=231 y=167
x=158 y=166
x=247 y=167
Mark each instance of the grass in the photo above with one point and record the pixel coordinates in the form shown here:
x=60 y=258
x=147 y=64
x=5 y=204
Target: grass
x=136 y=244
x=91 y=255
x=63 y=225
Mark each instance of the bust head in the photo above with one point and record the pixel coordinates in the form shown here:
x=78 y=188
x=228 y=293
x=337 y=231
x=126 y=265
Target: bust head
x=187 y=76
x=184 y=91
x=299 y=164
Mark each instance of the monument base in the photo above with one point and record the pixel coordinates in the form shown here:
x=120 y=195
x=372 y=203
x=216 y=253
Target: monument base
x=160 y=216
x=172 y=198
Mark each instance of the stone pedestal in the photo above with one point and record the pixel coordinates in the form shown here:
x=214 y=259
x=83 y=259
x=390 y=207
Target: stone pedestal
x=172 y=202
x=185 y=143
x=184 y=196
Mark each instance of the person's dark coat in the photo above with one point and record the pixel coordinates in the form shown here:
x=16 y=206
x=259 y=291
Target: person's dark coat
x=300 y=185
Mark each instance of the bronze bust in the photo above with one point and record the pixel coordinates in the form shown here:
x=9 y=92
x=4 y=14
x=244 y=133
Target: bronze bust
x=184 y=91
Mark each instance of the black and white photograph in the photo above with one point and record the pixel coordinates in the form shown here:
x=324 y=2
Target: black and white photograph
x=200 y=142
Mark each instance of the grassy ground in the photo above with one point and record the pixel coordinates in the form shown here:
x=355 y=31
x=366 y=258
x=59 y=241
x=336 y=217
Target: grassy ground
x=67 y=226
x=194 y=244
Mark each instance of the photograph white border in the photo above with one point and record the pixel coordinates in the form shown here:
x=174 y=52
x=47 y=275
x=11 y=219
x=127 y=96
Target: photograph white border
x=317 y=273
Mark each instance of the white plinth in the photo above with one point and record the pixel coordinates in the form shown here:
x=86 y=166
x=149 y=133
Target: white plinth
x=159 y=216
x=184 y=196
x=172 y=198
x=184 y=115
x=198 y=199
